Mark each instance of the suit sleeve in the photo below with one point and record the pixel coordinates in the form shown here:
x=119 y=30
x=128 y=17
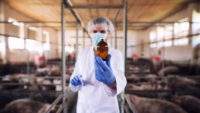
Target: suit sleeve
x=75 y=72
x=117 y=65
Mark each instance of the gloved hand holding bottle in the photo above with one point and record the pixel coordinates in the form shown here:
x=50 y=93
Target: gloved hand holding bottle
x=103 y=71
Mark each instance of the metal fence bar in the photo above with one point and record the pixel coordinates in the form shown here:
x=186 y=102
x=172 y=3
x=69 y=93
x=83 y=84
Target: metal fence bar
x=115 y=20
x=6 y=22
x=27 y=84
x=63 y=55
x=77 y=43
x=60 y=109
x=54 y=26
x=164 y=77
x=146 y=83
x=29 y=91
x=188 y=36
x=94 y=7
x=32 y=77
x=163 y=56
x=125 y=50
x=161 y=91
x=83 y=39
x=115 y=36
x=169 y=22
x=67 y=3
x=54 y=62
x=54 y=103
x=111 y=39
x=20 y=83
x=28 y=62
x=130 y=105
x=150 y=56
x=24 y=38
x=142 y=26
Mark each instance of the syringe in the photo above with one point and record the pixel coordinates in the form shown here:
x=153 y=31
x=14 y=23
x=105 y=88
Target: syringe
x=82 y=83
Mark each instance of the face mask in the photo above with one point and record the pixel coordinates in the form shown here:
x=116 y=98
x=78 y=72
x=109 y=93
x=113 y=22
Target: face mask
x=96 y=37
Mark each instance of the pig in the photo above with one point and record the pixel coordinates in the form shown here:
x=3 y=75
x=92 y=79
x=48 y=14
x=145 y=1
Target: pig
x=147 y=105
x=132 y=68
x=151 y=78
x=16 y=78
x=28 y=106
x=169 y=70
x=134 y=79
x=133 y=87
x=8 y=79
x=189 y=103
x=71 y=69
x=58 y=81
x=31 y=87
x=19 y=78
x=182 y=83
x=147 y=87
x=47 y=84
x=24 y=77
x=142 y=90
x=43 y=71
x=55 y=71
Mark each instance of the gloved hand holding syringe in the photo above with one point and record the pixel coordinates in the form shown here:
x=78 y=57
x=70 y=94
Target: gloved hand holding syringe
x=77 y=80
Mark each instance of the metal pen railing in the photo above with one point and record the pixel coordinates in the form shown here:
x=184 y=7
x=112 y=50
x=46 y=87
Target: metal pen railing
x=60 y=109
x=130 y=105
x=33 y=77
x=20 y=82
x=159 y=77
x=67 y=4
x=55 y=103
x=172 y=87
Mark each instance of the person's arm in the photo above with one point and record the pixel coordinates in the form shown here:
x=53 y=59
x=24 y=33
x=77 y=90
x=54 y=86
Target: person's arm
x=118 y=70
x=75 y=72
x=112 y=77
x=73 y=87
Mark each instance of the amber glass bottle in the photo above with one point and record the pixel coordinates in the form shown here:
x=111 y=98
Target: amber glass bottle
x=102 y=50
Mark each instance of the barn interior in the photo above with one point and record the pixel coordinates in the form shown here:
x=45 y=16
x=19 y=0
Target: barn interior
x=41 y=39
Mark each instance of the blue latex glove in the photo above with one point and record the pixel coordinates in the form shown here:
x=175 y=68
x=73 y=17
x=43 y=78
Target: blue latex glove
x=76 y=81
x=108 y=62
x=103 y=71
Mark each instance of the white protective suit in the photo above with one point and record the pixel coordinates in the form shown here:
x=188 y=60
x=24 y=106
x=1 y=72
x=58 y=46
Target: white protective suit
x=95 y=97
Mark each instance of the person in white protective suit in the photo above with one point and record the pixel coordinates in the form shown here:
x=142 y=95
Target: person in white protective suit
x=98 y=82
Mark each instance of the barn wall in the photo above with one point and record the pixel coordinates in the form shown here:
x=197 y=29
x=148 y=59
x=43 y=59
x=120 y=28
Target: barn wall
x=20 y=55
x=195 y=28
x=2 y=45
x=70 y=40
x=173 y=52
x=53 y=52
x=134 y=37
